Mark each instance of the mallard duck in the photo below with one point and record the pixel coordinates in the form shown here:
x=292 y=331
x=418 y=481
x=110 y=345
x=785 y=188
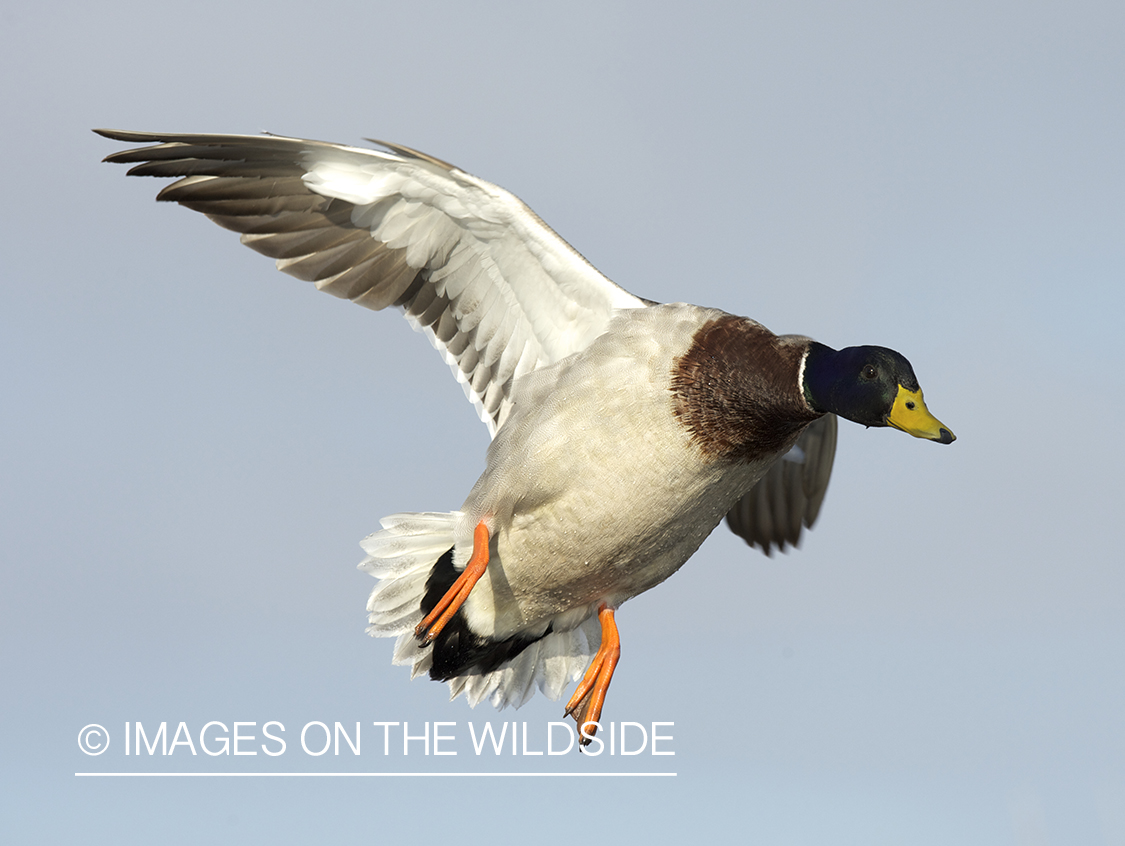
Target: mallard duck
x=623 y=430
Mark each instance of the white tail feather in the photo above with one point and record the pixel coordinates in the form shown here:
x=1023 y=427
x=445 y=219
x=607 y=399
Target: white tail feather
x=401 y=556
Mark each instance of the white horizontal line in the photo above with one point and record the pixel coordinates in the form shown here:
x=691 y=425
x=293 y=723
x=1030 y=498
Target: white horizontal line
x=380 y=775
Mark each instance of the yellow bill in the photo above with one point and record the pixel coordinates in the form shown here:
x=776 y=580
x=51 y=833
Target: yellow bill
x=910 y=414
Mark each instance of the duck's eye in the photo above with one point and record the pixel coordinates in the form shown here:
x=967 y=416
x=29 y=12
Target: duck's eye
x=910 y=404
x=869 y=371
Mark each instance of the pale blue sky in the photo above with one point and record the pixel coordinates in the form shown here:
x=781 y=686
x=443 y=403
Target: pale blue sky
x=194 y=443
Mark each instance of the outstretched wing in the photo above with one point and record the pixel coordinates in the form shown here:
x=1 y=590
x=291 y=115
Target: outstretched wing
x=495 y=289
x=789 y=495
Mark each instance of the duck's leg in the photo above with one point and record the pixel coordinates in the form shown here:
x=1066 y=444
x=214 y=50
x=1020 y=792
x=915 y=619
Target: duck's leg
x=455 y=597
x=586 y=703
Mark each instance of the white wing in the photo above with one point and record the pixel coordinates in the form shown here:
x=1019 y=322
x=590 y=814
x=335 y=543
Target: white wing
x=494 y=288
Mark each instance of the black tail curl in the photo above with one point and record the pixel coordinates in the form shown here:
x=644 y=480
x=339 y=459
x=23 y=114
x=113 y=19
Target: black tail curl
x=457 y=650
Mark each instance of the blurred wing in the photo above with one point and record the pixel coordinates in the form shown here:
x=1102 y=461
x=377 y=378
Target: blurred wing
x=495 y=289
x=789 y=495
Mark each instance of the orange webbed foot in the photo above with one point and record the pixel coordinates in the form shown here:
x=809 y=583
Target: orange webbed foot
x=586 y=703
x=455 y=597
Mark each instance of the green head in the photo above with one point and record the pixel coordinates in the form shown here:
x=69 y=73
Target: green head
x=873 y=386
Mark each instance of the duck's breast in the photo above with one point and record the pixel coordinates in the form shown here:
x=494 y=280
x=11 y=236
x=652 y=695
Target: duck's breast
x=595 y=489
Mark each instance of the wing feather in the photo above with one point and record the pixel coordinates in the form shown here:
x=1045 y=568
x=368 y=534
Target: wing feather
x=788 y=498
x=495 y=289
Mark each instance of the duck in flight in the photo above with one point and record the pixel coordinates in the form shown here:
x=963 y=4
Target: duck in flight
x=623 y=430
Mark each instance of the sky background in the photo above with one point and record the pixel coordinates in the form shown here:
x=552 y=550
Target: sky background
x=194 y=444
